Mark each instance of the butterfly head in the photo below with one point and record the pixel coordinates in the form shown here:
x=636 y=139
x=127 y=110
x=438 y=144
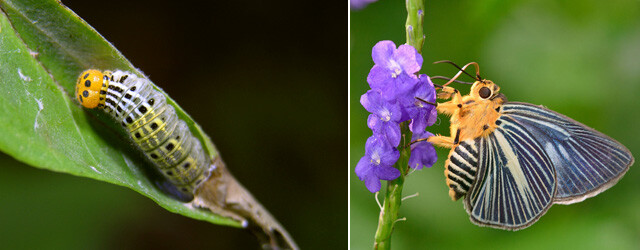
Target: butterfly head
x=88 y=88
x=487 y=90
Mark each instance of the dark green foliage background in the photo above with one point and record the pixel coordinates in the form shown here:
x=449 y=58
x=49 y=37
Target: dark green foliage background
x=580 y=58
x=266 y=81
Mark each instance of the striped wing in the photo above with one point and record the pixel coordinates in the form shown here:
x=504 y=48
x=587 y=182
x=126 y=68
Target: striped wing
x=587 y=162
x=516 y=180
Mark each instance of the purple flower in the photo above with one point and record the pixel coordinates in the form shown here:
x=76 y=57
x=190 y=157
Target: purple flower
x=360 y=4
x=421 y=114
x=392 y=101
x=423 y=154
x=394 y=71
x=391 y=88
x=377 y=163
x=406 y=58
x=384 y=117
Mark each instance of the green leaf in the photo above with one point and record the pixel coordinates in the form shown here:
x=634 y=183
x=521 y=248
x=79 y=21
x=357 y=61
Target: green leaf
x=43 y=48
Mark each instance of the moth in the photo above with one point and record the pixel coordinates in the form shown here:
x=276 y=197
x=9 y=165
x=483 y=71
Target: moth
x=152 y=125
x=511 y=160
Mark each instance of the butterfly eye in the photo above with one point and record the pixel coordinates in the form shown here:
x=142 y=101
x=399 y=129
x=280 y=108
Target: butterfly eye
x=484 y=92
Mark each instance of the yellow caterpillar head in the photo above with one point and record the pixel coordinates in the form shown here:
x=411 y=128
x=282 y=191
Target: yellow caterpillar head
x=88 y=88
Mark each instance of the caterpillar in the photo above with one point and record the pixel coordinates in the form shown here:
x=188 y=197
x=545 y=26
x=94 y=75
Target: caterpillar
x=152 y=124
x=166 y=141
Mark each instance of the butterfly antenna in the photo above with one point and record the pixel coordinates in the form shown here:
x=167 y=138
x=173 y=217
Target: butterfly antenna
x=457 y=67
x=448 y=79
x=462 y=71
x=478 y=77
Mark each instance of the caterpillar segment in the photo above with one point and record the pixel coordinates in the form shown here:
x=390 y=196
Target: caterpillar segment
x=150 y=122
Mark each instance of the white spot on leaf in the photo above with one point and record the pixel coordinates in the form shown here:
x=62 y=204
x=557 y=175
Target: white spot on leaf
x=40 y=108
x=33 y=53
x=94 y=169
x=23 y=76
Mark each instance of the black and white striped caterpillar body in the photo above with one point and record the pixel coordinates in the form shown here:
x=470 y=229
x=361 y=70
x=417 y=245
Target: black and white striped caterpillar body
x=151 y=123
x=166 y=141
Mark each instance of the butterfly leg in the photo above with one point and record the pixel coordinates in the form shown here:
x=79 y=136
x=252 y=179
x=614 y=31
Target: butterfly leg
x=448 y=108
x=447 y=92
x=441 y=141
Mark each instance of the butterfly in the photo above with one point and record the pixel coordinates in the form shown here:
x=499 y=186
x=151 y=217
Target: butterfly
x=152 y=124
x=512 y=160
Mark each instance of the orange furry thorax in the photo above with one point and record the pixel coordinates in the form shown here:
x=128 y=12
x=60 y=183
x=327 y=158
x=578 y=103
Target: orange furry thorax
x=473 y=115
x=476 y=118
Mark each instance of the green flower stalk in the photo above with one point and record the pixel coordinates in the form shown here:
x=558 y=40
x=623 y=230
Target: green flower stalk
x=414 y=29
x=393 y=197
x=389 y=213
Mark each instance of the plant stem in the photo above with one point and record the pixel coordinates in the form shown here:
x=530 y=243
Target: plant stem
x=415 y=18
x=393 y=196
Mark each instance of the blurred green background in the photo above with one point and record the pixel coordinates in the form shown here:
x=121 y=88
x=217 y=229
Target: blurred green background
x=579 y=58
x=266 y=81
